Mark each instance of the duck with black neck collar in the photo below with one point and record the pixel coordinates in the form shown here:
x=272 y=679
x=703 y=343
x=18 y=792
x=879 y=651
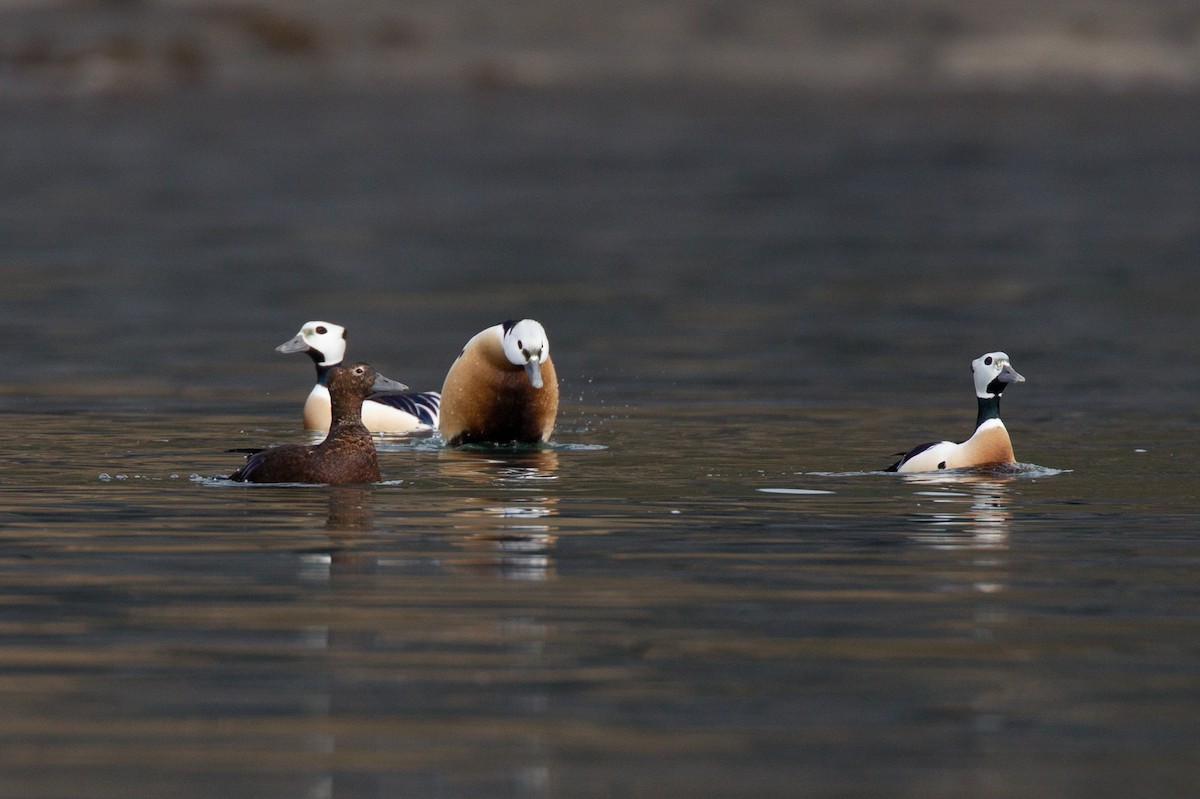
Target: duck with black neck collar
x=325 y=343
x=990 y=445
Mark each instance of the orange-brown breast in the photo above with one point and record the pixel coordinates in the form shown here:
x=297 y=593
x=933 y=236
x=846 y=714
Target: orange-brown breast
x=488 y=402
x=989 y=445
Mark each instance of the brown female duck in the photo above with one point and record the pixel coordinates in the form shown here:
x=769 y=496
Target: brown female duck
x=347 y=455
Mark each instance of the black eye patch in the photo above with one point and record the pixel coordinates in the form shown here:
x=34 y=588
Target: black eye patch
x=988 y=360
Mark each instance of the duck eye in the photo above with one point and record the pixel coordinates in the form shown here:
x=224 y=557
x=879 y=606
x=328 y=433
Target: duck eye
x=520 y=345
x=321 y=330
x=987 y=361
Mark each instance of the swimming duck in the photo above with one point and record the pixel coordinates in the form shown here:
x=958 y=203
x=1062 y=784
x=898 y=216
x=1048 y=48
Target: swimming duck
x=347 y=455
x=990 y=443
x=325 y=343
x=502 y=388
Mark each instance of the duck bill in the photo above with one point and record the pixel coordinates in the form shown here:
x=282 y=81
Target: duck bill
x=1009 y=375
x=386 y=385
x=534 y=370
x=295 y=345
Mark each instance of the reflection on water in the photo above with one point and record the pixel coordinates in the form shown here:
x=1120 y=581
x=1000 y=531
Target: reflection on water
x=508 y=527
x=519 y=467
x=524 y=622
x=970 y=514
x=968 y=511
x=504 y=523
x=350 y=511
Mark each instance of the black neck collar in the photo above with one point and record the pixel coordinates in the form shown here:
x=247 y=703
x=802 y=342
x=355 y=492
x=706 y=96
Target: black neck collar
x=989 y=408
x=322 y=368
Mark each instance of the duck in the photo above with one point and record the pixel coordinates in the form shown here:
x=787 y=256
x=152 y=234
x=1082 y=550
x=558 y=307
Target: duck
x=325 y=343
x=502 y=388
x=990 y=444
x=347 y=455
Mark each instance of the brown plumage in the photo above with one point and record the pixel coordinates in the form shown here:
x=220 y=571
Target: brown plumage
x=347 y=455
x=502 y=389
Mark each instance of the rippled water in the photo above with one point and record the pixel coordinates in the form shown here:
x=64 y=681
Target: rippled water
x=718 y=616
x=704 y=587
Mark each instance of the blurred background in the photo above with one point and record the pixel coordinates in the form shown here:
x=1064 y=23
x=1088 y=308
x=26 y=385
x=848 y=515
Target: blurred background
x=773 y=202
x=766 y=240
x=129 y=46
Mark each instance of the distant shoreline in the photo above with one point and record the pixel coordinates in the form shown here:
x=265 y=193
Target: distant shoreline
x=138 y=46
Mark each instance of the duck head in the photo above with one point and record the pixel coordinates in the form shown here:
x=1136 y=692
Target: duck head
x=324 y=342
x=992 y=374
x=525 y=345
x=361 y=379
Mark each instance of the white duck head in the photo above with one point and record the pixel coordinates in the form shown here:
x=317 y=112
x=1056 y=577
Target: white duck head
x=525 y=345
x=992 y=374
x=323 y=341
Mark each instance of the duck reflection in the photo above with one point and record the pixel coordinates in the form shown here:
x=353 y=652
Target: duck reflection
x=350 y=515
x=350 y=510
x=400 y=632
x=965 y=511
x=506 y=523
x=965 y=520
x=510 y=528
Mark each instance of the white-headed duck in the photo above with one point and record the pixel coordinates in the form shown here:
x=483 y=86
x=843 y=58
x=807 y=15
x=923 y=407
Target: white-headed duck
x=347 y=455
x=325 y=343
x=502 y=388
x=990 y=444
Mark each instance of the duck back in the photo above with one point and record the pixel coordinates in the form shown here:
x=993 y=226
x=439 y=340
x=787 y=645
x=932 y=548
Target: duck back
x=336 y=460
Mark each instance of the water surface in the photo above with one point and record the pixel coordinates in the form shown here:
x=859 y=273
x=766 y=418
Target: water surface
x=704 y=587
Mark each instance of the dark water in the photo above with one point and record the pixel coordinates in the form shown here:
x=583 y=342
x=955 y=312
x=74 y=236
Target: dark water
x=703 y=588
